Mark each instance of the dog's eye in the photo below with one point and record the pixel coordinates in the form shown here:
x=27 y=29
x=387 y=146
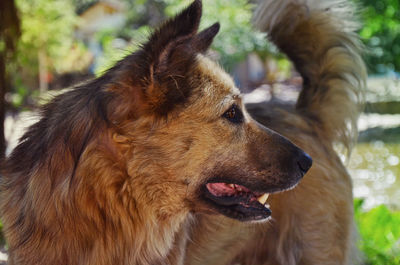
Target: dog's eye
x=234 y=114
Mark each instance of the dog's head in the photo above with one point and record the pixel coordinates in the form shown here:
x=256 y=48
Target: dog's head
x=184 y=132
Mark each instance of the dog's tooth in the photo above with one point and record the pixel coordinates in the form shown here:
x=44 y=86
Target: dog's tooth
x=231 y=186
x=263 y=198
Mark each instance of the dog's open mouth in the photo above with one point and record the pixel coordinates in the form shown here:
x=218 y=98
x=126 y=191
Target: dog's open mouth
x=237 y=201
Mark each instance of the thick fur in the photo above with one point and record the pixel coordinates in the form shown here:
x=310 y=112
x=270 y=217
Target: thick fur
x=115 y=170
x=313 y=223
x=319 y=37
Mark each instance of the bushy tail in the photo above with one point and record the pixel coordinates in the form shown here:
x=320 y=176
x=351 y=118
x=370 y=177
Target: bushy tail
x=319 y=38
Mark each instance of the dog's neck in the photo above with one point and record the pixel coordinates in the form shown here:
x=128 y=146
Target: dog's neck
x=147 y=228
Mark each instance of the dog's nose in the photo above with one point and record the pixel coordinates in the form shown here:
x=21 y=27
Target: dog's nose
x=304 y=162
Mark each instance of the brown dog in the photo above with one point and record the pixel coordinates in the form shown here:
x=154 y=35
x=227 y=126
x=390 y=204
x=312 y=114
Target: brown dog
x=117 y=169
x=313 y=223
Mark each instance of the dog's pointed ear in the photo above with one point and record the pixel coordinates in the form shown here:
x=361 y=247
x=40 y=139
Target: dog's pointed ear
x=202 y=41
x=158 y=75
x=171 y=34
x=165 y=60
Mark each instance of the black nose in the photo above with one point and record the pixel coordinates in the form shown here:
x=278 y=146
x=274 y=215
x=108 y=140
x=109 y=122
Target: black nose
x=304 y=162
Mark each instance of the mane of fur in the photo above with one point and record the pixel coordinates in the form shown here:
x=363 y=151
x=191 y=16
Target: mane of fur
x=66 y=196
x=319 y=38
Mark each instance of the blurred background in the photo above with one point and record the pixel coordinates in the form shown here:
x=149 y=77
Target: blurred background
x=48 y=45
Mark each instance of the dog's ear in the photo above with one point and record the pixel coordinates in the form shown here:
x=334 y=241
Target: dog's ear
x=170 y=35
x=166 y=59
x=202 y=41
x=158 y=72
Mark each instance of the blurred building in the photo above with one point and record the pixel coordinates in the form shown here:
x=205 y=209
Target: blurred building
x=98 y=16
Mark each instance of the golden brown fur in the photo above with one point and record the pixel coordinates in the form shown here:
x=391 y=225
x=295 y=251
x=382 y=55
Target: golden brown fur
x=115 y=171
x=313 y=223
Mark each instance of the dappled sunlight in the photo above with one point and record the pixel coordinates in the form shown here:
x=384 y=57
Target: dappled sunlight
x=375 y=168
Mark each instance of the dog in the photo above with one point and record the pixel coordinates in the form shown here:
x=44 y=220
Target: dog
x=312 y=223
x=117 y=169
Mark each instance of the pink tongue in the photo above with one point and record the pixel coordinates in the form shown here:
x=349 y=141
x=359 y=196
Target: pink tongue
x=220 y=189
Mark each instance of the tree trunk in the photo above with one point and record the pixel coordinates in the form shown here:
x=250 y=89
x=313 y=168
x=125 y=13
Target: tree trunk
x=3 y=89
x=9 y=33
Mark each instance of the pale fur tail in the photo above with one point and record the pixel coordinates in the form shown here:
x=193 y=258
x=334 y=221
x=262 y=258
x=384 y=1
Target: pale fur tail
x=319 y=38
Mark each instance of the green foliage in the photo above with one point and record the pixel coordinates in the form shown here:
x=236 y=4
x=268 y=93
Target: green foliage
x=47 y=27
x=111 y=54
x=381 y=34
x=380 y=234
